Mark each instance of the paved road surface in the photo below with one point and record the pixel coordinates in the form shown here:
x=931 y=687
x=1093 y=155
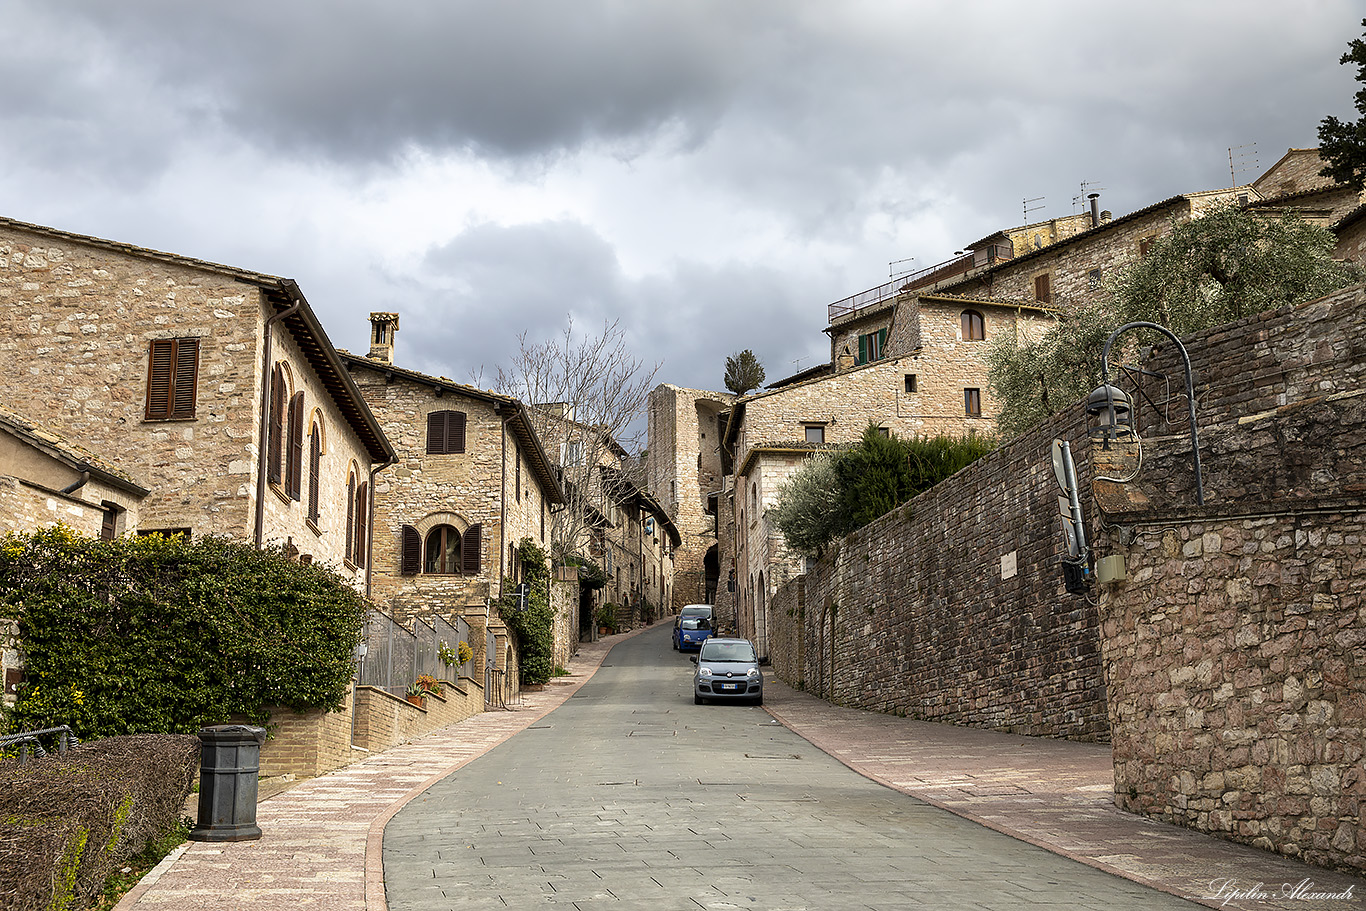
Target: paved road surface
x=630 y=796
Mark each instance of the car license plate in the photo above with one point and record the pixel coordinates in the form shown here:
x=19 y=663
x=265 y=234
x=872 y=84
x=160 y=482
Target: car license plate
x=729 y=686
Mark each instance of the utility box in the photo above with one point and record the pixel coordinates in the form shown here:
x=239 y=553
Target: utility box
x=1110 y=569
x=229 y=767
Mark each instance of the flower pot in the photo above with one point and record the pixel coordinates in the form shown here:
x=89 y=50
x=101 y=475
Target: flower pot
x=419 y=701
x=602 y=631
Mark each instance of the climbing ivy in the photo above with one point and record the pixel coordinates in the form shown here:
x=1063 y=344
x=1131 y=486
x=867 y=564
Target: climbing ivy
x=533 y=624
x=164 y=635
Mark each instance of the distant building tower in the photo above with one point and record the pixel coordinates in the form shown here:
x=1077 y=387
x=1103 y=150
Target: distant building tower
x=383 y=328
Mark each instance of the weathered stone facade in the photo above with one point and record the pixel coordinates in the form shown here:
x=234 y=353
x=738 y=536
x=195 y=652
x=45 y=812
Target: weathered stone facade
x=81 y=317
x=683 y=472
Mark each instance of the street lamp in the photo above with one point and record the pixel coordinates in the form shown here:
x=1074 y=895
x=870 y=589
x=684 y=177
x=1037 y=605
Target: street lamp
x=1108 y=408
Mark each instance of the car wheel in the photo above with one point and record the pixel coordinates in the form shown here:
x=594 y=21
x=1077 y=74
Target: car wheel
x=697 y=700
x=759 y=699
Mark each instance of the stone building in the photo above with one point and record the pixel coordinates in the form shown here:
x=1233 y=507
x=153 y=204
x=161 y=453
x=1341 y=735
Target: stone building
x=216 y=387
x=683 y=470
x=471 y=482
x=45 y=480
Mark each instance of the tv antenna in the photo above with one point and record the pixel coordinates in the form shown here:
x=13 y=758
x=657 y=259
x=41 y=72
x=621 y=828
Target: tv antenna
x=1241 y=159
x=1087 y=188
x=894 y=272
x=1028 y=208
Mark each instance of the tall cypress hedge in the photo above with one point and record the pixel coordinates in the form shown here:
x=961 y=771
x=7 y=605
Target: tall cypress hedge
x=165 y=635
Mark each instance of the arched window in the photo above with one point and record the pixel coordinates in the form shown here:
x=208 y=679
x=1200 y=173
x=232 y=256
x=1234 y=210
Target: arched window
x=974 y=326
x=294 y=454
x=315 y=464
x=279 y=396
x=445 y=550
x=442 y=550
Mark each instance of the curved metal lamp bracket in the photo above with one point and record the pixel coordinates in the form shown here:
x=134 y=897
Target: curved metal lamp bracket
x=1190 y=392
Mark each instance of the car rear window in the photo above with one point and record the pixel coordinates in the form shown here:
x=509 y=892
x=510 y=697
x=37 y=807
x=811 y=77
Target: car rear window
x=713 y=650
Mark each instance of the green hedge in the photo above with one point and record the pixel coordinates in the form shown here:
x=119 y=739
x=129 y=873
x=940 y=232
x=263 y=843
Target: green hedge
x=534 y=624
x=164 y=635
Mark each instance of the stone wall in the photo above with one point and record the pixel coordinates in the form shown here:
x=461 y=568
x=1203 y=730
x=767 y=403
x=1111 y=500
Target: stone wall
x=1235 y=649
x=952 y=608
x=24 y=507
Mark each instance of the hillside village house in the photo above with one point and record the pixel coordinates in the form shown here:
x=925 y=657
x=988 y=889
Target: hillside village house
x=471 y=482
x=215 y=387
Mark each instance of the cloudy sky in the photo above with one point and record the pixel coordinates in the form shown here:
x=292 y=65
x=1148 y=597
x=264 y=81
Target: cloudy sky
x=712 y=173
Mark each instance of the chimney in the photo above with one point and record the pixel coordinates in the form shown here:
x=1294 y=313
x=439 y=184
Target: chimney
x=1095 y=209
x=383 y=328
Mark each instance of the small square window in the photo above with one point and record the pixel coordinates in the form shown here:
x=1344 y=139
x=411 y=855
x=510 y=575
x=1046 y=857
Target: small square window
x=910 y=382
x=1093 y=280
x=972 y=403
x=885 y=432
x=815 y=433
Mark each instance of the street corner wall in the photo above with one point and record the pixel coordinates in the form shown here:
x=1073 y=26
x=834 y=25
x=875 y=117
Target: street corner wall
x=1236 y=658
x=1235 y=649
x=951 y=608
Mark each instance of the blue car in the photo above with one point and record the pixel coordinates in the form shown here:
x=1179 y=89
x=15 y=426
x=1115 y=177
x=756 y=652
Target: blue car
x=692 y=627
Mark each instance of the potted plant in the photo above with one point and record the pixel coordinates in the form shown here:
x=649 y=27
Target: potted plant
x=607 y=619
x=429 y=684
x=415 y=696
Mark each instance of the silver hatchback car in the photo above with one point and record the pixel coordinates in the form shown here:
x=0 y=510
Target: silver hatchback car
x=727 y=669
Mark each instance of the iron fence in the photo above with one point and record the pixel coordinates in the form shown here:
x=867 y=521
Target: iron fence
x=27 y=741
x=395 y=656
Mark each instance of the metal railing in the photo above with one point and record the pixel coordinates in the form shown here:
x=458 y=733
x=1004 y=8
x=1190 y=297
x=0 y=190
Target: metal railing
x=395 y=656
x=973 y=259
x=27 y=740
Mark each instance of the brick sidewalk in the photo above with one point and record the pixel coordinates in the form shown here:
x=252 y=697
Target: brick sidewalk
x=1055 y=794
x=321 y=842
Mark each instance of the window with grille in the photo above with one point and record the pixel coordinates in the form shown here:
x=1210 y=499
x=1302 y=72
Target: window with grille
x=172 y=378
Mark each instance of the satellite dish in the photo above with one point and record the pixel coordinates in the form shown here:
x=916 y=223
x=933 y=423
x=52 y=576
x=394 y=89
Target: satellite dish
x=1060 y=467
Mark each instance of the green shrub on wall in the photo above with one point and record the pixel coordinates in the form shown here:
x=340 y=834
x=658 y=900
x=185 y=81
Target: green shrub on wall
x=166 y=635
x=533 y=625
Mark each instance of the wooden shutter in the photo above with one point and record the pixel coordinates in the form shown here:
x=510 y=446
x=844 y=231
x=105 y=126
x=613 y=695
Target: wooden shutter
x=315 y=464
x=350 y=516
x=881 y=343
x=436 y=432
x=172 y=375
x=277 y=425
x=445 y=432
x=294 y=468
x=410 y=551
x=863 y=349
x=1042 y=293
x=469 y=550
x=186 y=378
x=362 y=523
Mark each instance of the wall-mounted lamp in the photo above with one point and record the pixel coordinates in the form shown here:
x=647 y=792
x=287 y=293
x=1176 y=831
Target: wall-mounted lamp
x=1104 y=394
x=1112 y=412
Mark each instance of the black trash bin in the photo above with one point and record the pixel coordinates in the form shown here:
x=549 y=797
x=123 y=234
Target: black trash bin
x=229 y=763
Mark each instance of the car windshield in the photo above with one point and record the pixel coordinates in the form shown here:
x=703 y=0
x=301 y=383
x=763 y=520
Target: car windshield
x=696 y=623
x=727 y=651
x=697 y=611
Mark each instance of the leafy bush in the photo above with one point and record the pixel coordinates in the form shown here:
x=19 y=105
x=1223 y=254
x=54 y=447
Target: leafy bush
x=839 y=491
x=165 y=635
x=68 y=822
x=534 y=624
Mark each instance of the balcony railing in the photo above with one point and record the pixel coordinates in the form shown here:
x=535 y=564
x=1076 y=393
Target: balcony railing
x=974 y=259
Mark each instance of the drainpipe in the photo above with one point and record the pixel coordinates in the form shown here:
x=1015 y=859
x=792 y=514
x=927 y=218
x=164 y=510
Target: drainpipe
x=265 y=419
x=503 y=504
x=84 y=479
x=370 y=523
